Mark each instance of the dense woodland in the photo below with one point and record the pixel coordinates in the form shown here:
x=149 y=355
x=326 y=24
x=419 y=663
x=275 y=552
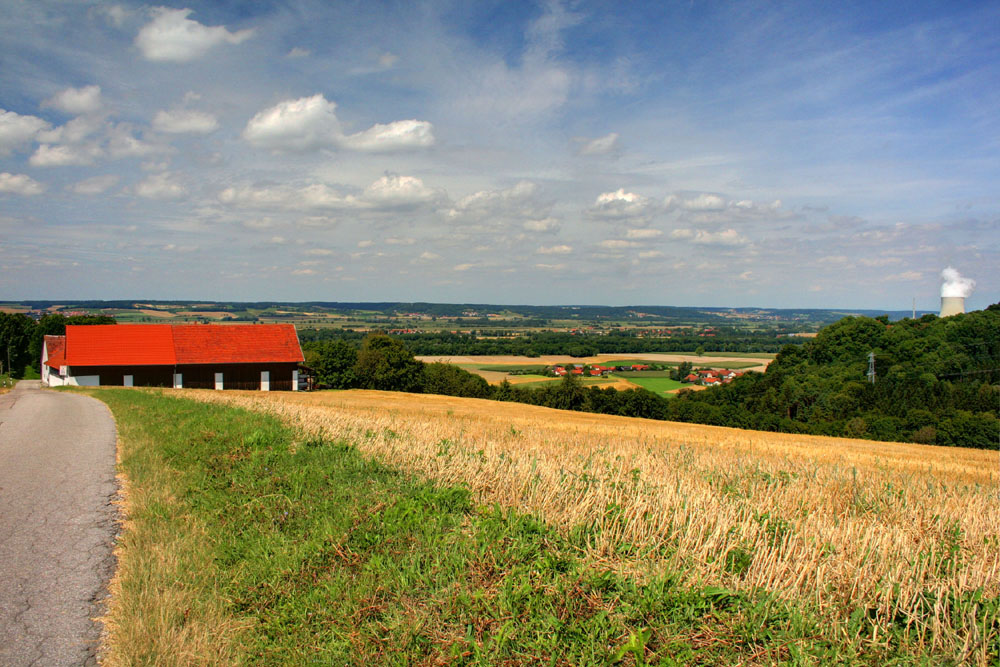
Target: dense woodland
x=937 y=381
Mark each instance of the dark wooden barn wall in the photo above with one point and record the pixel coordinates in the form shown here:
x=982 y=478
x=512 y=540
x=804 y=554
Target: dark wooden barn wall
x=199 y=376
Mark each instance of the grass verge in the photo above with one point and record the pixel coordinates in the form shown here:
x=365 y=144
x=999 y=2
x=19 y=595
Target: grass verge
x=247 y=541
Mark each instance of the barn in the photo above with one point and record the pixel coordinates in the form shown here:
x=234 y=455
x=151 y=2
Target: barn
x=196 y=356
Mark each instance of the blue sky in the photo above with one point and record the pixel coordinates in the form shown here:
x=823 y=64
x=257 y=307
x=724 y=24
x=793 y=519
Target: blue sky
x=727 y=154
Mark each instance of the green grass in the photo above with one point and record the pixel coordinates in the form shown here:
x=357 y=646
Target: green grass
x=281 y=549
x=657 y=385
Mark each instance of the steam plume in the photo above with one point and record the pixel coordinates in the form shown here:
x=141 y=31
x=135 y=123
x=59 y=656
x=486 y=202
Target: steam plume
x=955 y=285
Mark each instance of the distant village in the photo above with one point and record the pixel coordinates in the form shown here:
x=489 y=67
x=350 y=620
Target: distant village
x=706 y=377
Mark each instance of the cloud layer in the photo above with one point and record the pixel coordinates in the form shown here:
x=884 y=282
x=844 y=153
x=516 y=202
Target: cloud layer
x=550 y=152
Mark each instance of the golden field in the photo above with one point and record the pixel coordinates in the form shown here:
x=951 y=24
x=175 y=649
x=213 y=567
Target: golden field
x=897 y=532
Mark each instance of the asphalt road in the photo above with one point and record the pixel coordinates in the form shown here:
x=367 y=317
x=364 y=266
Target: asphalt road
x=57 y=525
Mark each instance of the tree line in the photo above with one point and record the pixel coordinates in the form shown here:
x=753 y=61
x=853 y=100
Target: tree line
x=21 y=337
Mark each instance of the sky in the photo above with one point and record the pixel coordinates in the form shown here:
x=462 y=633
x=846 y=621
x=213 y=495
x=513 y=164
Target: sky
x=821 y=155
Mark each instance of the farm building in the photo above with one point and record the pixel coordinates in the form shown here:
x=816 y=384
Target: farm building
x=198 y=356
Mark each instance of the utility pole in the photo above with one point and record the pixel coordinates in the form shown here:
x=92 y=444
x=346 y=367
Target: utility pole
x=871 y=367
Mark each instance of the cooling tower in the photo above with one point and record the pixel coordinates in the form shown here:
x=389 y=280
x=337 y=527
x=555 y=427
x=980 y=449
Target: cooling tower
x=952 y=305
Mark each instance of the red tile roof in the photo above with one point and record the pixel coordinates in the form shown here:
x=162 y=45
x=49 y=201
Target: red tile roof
x=120 y=345
x=236 y=344
x=56 y=347
x=165 y=344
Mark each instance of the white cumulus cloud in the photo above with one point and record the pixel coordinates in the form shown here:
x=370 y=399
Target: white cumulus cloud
x=392 y=191
x=396 y=190
x=20 y=184
x=182 y=121
x=172 y=37
x=548 y=224
x=397 y=135
x=704 y=202
x=311 y=123
x=76 y=101
x=123 y=144
x=304 y=124
x=73 y=132
x=621 y=205
x=17 y=130
x=160 y=186
x=63 y=155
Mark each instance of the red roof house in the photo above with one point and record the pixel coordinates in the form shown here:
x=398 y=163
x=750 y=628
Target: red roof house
x=205 y=356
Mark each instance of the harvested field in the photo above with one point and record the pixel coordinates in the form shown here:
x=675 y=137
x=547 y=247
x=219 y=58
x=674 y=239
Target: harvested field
x=902 y=536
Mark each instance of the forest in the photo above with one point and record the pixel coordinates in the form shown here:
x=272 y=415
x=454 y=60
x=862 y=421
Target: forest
x=935 y=381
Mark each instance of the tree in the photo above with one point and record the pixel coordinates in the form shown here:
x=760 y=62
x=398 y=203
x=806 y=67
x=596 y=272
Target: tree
x=700 y=351
x=682 y=370
x=333 y=361
x=450 y=380
x=15 y=339
x=385 y=363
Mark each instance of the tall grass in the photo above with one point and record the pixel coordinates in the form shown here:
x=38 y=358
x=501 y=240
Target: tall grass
x=898 y=544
